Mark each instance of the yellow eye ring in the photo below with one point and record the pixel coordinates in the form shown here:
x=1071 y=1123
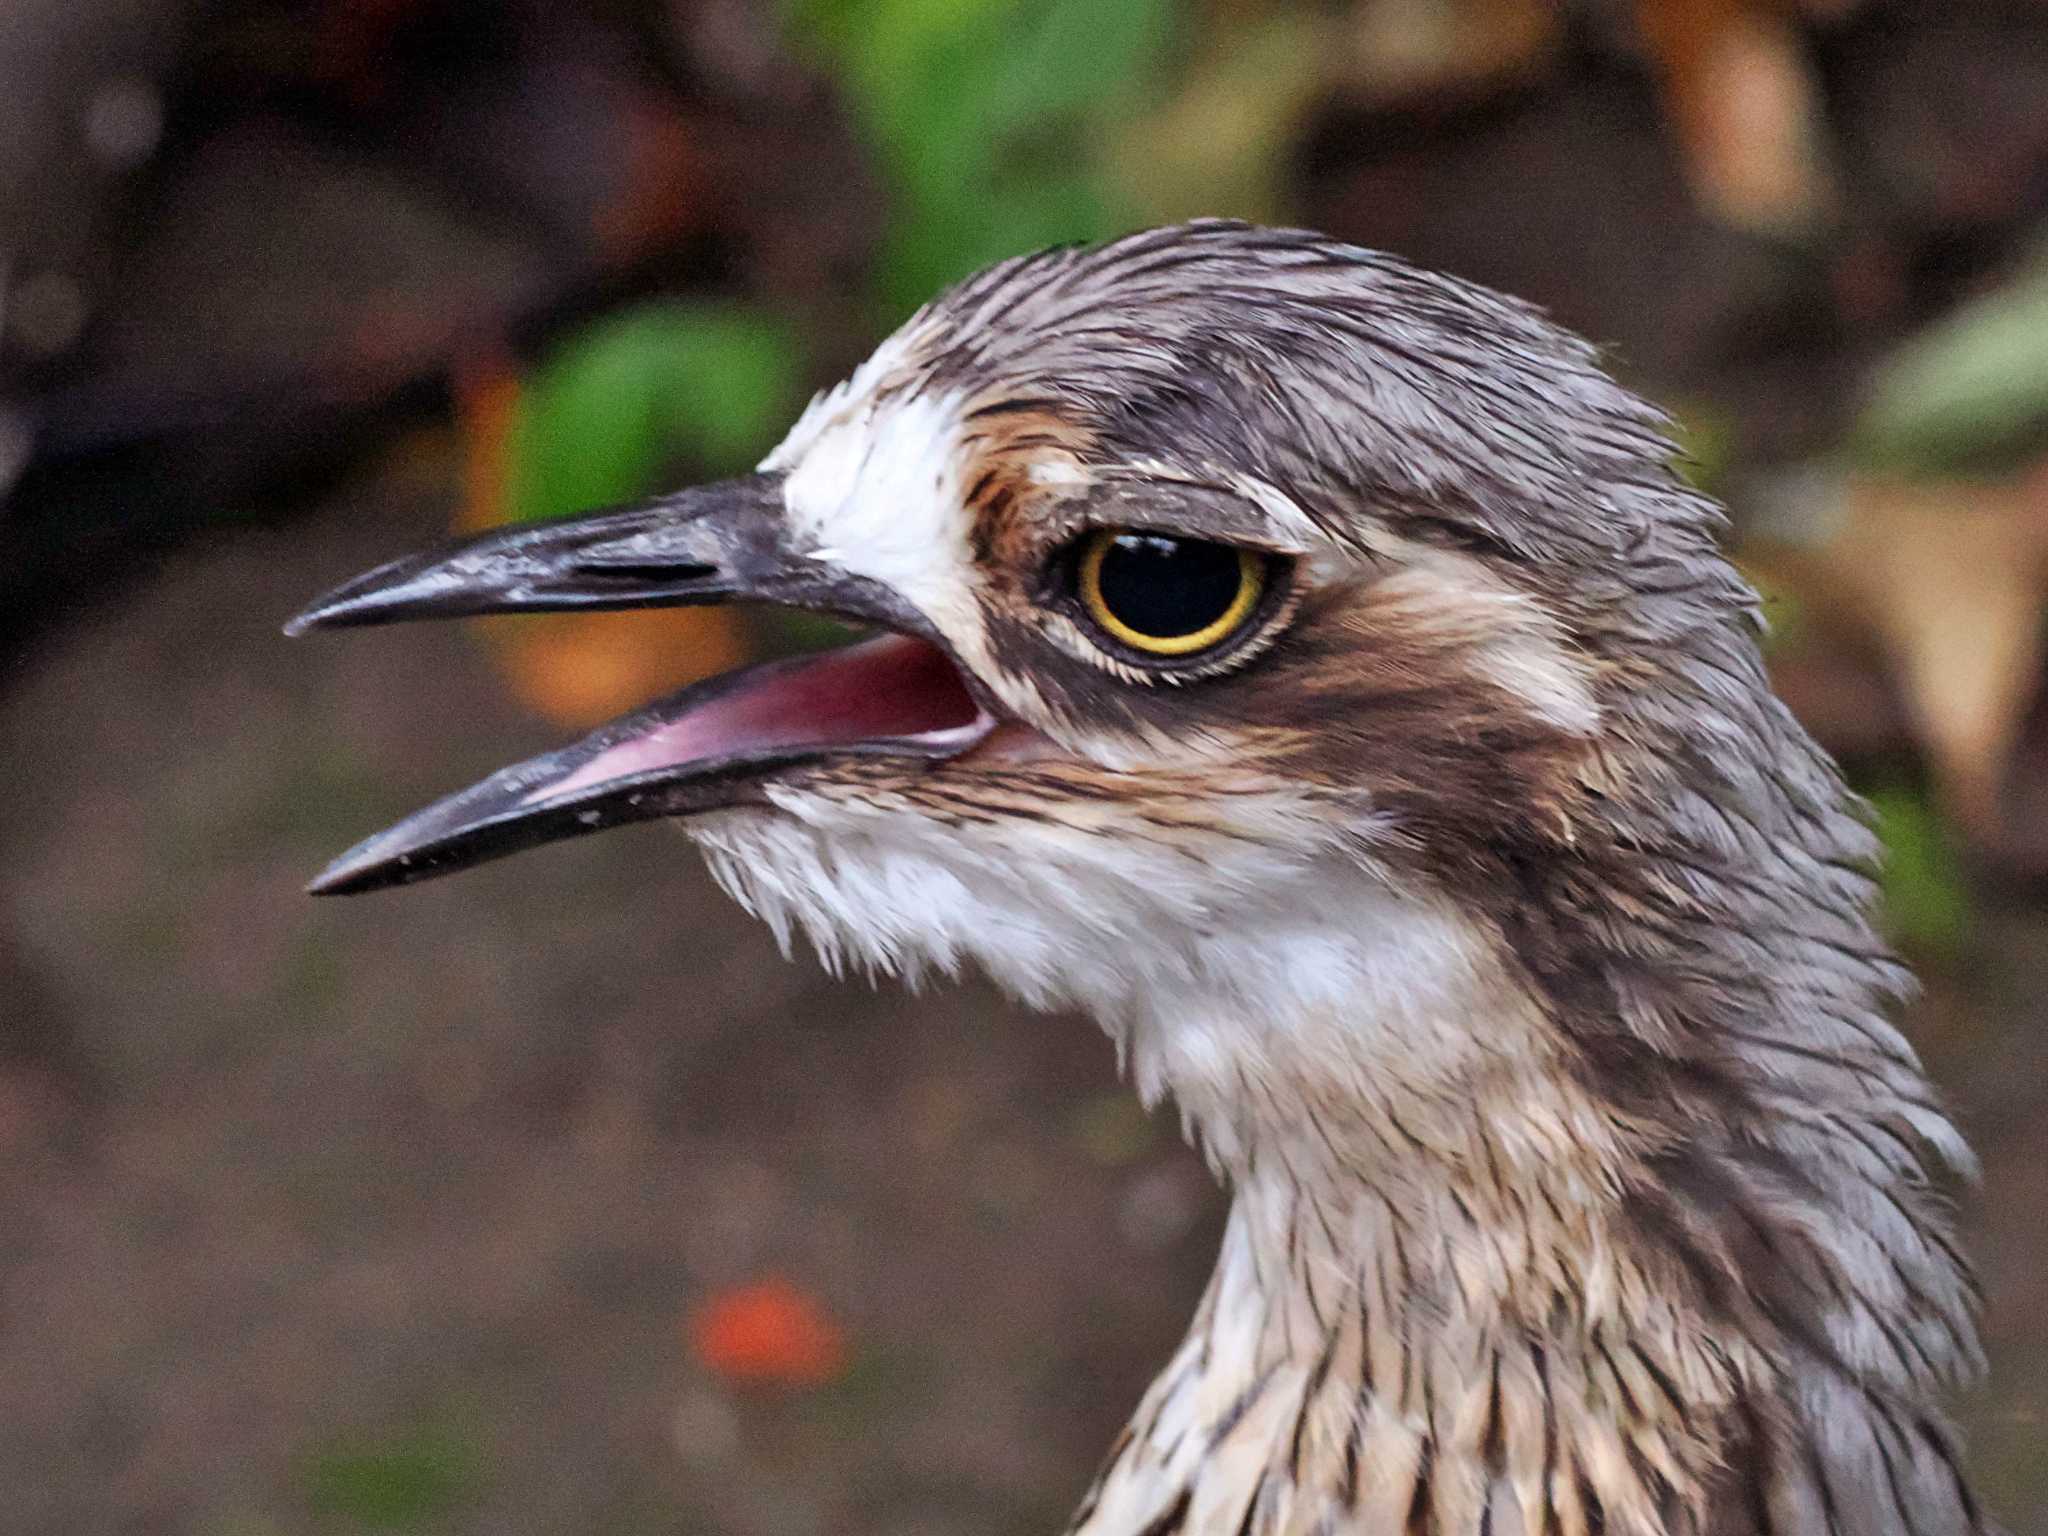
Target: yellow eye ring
x=1101 y=544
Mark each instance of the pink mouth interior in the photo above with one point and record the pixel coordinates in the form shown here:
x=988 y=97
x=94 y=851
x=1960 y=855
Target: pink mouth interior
x=892 y=688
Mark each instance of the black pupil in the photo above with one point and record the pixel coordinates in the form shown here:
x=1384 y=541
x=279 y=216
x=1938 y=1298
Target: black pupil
x=1167 y=588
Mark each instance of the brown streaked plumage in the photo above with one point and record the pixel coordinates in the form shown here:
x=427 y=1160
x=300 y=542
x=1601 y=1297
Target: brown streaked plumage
x=1502 y=939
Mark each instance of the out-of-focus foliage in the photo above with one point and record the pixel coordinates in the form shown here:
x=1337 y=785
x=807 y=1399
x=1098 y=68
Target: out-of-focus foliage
x=1968 y=396
x=1926 y=903
x=1941 y=586
x=1740 y=97
x=992 y=119
x=406 y=1483
x=1111 y=1129
x=1217 y=144
x=1706 y=444
x=1925 y=539
x=638 y=393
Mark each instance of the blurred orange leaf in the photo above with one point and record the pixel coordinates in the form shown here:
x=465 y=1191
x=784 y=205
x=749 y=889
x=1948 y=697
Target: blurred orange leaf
x=768 y=1332
x=581 y=669
x=1740 y=94
x=576 y=669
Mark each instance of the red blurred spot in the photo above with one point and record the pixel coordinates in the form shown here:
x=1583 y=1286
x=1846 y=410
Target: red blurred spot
x=768 y=1332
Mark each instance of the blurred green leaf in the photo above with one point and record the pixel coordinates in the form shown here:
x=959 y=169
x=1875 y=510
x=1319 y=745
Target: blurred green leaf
x=1969 y=396
x=991 y=119
x=910 y=69
x=1705 y=434
x=1787 y=625
x=399 y=1485
x=639 y=392
x=1219 y=145
x=1926 y=902
x=1074 y=58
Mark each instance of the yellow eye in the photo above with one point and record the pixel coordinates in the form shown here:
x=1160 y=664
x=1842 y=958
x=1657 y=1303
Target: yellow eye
x=1167 y=596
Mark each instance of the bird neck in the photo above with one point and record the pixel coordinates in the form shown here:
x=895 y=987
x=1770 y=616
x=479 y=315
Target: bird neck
x=1422 y=1308
x=1495 y=1266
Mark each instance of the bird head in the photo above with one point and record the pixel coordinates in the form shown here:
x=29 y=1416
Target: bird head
x=1224 y=581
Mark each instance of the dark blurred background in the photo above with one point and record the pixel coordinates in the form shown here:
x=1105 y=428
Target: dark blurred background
x=550 y=1198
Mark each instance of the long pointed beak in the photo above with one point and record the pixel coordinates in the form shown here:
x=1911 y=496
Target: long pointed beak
x=707 y=544
x=710 y=746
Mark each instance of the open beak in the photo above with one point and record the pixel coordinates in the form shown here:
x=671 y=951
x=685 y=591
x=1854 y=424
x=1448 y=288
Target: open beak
x=712 y=745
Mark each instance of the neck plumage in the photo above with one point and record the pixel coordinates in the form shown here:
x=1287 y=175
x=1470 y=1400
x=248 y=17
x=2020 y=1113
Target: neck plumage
x=1425 y=1316
x=1460 y=1291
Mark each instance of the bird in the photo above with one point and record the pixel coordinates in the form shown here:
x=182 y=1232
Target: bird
x=1319 y=671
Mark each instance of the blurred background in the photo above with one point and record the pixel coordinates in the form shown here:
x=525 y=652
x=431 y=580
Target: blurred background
x=549 y=1198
